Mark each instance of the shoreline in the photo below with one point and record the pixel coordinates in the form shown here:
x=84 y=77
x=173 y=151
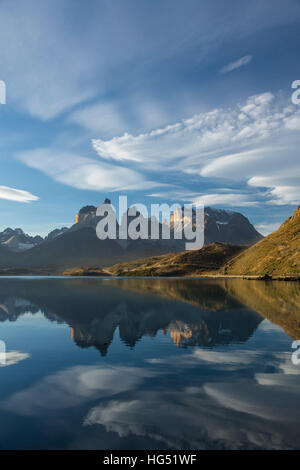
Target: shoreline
x=107 y=275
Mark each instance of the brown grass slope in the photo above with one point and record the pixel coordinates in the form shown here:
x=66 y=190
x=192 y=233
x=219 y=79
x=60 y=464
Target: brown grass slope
x=188 y=263
x=276 y=255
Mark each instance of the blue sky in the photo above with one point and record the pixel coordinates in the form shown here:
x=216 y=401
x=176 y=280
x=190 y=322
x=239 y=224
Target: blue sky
x=162 y=100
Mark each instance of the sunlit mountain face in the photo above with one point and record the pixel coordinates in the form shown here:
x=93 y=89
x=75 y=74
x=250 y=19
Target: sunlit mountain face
x=153 y=364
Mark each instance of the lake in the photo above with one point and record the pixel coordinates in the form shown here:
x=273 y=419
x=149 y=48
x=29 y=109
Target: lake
x=149 y=364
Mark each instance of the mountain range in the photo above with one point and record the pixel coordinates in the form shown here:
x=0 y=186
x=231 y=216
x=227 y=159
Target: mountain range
x=276 y=256
x=16 y=240
x=79 y=245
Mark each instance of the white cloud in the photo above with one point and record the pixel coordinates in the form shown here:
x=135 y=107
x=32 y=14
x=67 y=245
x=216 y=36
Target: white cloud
x=18 y=195
x=293 y=122
x=155 y=414
x=48 y=73
x=230 y=166
x=74 y=386
x=255 y=142
x=256 y=422
x=129 y=401
x=13 y=357
x=229 y=199
x=236 y=64
x=115 y=116
x=193 y=142
x=266 y=325
x=255 y=401
x=266 y=229
x=282 y=189
x=84 y=173
x=65 y=59
x=223 y=197
x=221 y=360
x=104 y=117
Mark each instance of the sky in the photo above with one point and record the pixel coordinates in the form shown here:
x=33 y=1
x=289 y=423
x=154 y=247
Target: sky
x=160 y=100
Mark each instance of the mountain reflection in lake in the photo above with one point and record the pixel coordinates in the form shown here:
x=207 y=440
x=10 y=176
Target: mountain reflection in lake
x=149 y=363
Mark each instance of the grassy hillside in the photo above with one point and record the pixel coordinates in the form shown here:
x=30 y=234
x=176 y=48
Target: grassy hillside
x=276 y=255
x=188 y=263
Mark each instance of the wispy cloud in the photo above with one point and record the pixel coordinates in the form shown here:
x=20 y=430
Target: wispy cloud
x=266 y=229
x=18 y=195
x=221 y=197
x=84 y=173
x=105 y=118
x=75 y=386
x=195 y=140
x=229 y=199
x=236 y=64
x=71 y=67
x=254 y=142
x=14 y=357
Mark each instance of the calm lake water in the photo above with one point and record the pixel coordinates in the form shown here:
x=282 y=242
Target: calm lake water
x=149 y=364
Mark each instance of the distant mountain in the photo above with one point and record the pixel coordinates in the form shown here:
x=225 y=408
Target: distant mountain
x=7 y=257
x=73 y=247
x=17 y=240
x=223 y=226
x=55 y=233
x=79 y=245
x=229 y=227
x=276 y=255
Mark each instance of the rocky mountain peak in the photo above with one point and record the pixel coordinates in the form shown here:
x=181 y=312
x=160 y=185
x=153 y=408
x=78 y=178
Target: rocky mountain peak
x=224 y=226
x=17 y=240
x=86 y=212
x=56 y=233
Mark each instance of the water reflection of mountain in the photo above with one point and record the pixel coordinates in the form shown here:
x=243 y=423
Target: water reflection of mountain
x=11 y=308
x=192 y=313
x=279 y=301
